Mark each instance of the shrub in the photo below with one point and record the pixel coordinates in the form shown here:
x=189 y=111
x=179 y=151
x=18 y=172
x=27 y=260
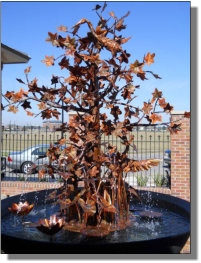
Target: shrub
x=142 y=180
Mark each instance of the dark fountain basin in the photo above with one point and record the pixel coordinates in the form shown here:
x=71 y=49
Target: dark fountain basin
x=165 y=235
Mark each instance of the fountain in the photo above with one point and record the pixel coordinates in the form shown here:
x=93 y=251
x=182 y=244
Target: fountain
x=166 y=234
x=95 y=211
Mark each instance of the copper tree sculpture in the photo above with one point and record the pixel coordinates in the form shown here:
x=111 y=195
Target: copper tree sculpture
x=92 y=85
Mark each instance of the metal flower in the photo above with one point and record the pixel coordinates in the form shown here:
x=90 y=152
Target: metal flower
x=21 y=209
x=51 y=226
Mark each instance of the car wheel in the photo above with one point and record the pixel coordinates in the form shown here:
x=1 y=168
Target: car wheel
x=26 y=167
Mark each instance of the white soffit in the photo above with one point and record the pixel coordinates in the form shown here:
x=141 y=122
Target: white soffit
x=12 y=56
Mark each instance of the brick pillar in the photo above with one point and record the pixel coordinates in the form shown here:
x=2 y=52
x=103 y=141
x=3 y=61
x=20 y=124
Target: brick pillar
x=180 y=158
x=71 y=114
x=180 y=163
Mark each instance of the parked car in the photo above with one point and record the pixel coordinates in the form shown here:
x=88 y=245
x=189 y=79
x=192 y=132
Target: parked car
x=23 y=160
x=3 y=166
x=167 y=158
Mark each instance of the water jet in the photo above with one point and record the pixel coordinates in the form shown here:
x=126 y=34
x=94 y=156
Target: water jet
x=165 y=236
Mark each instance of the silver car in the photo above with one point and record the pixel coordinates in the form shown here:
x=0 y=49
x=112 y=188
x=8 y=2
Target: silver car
x=24 y=160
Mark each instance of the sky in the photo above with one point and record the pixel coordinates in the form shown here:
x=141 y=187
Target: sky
x=162 y=28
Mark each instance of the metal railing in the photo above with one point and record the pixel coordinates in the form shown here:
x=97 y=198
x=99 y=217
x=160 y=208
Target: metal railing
x=150 y=143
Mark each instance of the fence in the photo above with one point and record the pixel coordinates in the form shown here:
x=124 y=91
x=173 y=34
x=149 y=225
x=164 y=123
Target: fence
x=151 y=142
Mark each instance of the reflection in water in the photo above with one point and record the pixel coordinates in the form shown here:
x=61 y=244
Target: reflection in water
x=169 y=224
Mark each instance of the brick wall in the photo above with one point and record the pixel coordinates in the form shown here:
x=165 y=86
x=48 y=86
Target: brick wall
x=51 y=126
x=9 y=188
x=180 y=163
x=70 y=116
x=180 y=159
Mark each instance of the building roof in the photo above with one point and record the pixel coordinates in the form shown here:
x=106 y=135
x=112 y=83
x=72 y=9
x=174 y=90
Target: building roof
x=12 y=56
x=52 y=121
x=74 y=113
